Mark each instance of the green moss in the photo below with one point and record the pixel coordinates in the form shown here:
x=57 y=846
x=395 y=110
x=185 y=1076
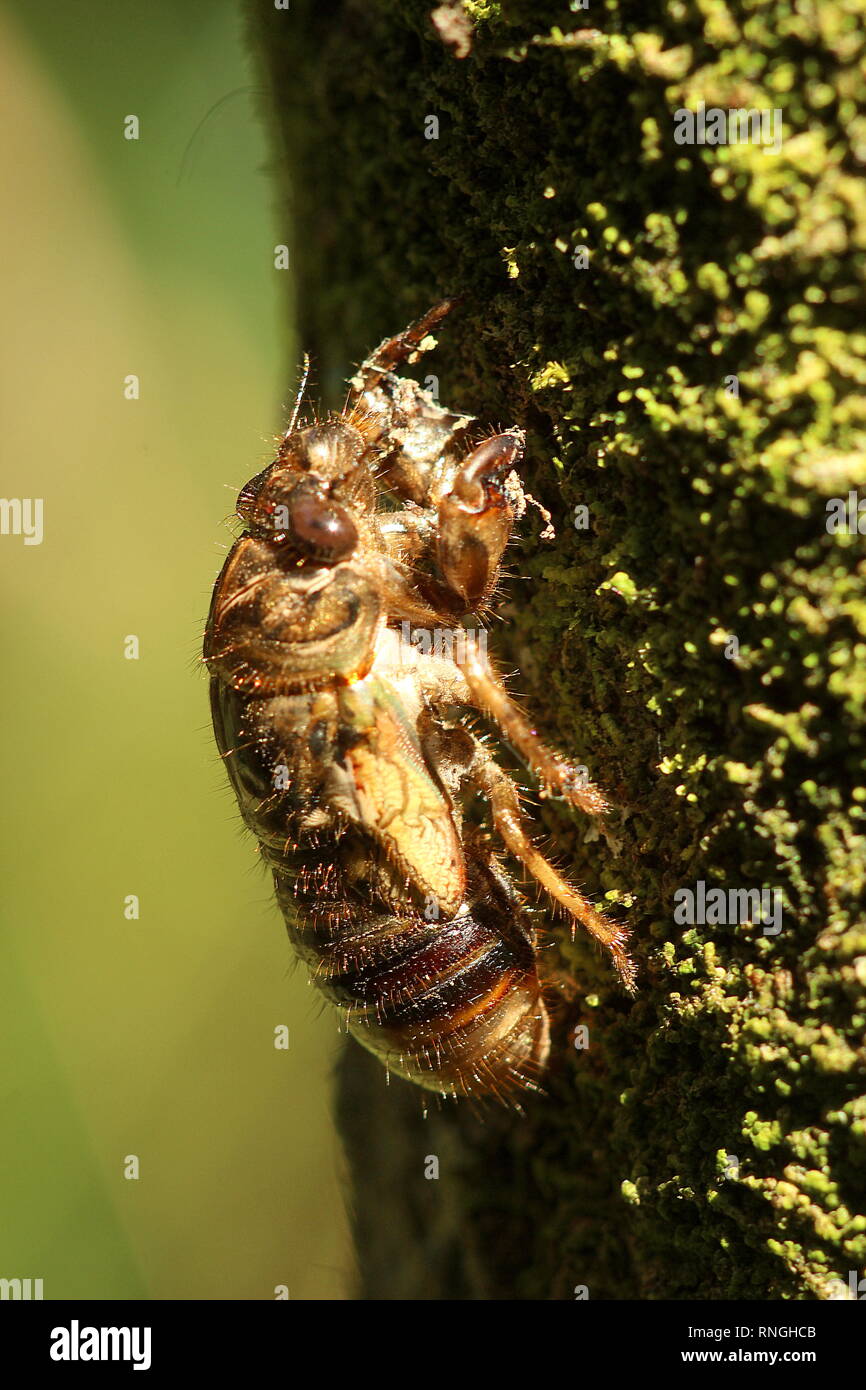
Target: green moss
x=711 y=271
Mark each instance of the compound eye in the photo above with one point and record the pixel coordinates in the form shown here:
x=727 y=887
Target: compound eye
x=321 y=529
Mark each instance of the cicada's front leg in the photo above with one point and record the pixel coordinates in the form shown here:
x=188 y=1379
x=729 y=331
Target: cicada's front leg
x=475 y=520
x=454 y=545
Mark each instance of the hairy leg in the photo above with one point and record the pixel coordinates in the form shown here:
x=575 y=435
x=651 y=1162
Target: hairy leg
x=488 y=777
x=403 y=347
x=560 y=778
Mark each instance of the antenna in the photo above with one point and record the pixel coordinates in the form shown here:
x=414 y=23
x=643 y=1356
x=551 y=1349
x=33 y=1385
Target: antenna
x=298 y=398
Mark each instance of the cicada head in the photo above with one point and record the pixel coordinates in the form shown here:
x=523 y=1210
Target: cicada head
x=310 y=497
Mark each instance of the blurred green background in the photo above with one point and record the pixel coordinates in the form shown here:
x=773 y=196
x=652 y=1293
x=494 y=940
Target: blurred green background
x=152 y=1037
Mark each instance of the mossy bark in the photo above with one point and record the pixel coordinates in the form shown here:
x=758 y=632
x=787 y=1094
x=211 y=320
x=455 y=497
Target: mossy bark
x=696 y=380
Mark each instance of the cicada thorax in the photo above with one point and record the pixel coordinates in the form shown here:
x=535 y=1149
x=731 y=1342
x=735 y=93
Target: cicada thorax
x=277 y=627
x=419 y=440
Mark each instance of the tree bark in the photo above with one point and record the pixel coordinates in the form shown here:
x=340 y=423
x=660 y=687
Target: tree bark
x=694 y=378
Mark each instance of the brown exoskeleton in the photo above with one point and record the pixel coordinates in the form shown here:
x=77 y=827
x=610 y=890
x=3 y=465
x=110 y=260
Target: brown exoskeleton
x=345 y=744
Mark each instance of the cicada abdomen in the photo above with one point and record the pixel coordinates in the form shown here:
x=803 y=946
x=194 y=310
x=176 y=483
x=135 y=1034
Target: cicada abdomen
x=429 y=957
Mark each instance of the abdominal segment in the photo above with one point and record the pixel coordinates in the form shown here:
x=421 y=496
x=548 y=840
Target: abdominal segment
x=454 y=1006
x=443 y=990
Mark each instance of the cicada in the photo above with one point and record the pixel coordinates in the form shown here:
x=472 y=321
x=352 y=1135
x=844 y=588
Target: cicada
x=348 y=741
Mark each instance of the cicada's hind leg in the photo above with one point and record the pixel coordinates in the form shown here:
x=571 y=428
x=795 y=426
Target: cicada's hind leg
x=501 y=793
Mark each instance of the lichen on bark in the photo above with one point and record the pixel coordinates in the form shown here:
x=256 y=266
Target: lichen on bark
x=696 y=379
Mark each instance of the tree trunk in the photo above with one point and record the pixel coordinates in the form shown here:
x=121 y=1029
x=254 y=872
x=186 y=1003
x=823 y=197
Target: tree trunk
x=679 y=328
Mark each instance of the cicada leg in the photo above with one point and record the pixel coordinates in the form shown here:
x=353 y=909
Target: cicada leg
x=403 y=347
x=559 y=777
x=501 y=793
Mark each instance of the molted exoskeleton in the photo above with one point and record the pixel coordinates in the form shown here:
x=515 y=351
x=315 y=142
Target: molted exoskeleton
x=345 y=742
